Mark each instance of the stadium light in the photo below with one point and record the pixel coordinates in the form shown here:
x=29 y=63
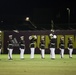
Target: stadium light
x=16 y=31
x=0 y=31
x=27 y=19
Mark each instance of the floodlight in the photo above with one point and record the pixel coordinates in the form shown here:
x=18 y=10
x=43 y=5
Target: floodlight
x=68 y=9
x=0 y=31
x=16 y=31
x=27 y=19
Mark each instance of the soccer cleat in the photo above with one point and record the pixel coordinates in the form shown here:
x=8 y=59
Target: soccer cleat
x=22 y=58
x=70 y=57
x=53 y=58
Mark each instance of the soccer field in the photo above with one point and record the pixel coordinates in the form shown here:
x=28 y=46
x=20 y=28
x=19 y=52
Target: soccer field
x=37 y=66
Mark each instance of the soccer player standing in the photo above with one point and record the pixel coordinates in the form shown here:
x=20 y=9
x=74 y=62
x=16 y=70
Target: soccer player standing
x=61 y=47
x=10 y=47
x=52 y=45
x=42 y=47
x=32 y=39
x=70 y=46
x=22 y=47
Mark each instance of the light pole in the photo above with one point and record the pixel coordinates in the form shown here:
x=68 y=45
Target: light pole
x=27 y=19
x=68 y=17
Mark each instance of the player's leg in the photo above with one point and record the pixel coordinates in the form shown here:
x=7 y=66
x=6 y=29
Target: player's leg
x=0 y=51
x=11 y=50
x=50 y=53
x=8 y=53
x=62 y=53
x=53 y=53
x=22 y=54
x=43 y=53
x=70 y=53
x=32 y=52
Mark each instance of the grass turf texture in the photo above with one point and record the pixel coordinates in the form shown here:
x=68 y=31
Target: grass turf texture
x=37 y=66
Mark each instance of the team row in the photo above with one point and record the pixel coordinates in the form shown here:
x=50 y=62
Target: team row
x=33 y=39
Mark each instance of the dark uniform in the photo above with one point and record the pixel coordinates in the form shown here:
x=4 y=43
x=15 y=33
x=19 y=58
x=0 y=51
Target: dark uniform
x=32 y=42
x=52 y=46
x=22 y=44
x=10 y=47
x=42 y=48
x=70 y=47
x=22 y=48
x=61 y=47
x=52 y=43
x=42 y=44
x=10 y=44
x=32 y=39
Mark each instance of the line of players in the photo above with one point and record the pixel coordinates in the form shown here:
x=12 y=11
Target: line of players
x=33 y=39
x=52 y=46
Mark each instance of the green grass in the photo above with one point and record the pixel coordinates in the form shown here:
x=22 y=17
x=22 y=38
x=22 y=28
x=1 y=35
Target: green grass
x=37 y=66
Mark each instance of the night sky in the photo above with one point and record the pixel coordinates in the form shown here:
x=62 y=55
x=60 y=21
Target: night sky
x=14 y=12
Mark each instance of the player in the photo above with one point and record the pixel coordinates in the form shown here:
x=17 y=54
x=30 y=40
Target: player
x=10 y=47
x=32 y=39
x=61 y=47
x=70 y=46
x=22 y=47
x=42 y=47
x=52 y=45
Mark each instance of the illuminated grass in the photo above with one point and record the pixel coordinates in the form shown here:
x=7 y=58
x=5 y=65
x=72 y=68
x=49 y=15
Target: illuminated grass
x=37 y=66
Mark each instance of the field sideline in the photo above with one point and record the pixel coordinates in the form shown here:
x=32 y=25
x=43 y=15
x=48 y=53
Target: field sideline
x=37 y=66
